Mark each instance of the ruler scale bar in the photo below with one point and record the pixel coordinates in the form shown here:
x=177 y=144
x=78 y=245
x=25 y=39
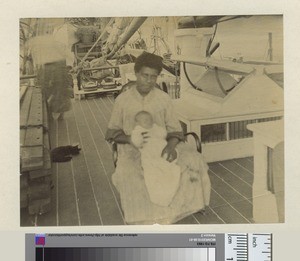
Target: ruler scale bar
x=248 y=247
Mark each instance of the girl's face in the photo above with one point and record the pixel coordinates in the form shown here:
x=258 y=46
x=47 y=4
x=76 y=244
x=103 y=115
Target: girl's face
x=146 y=79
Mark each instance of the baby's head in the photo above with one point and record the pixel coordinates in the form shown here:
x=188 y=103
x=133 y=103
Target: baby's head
x=144 y=119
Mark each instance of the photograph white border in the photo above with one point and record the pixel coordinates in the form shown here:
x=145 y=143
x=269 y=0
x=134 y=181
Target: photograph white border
x=284 y=234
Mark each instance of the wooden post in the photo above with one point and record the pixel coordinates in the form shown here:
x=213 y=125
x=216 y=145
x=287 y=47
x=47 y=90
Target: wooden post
x=270 y=47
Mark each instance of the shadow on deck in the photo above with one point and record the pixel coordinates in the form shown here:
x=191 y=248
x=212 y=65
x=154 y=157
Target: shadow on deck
x=83 y=193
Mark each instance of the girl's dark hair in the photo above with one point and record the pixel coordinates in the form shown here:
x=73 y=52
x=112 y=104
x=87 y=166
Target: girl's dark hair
x=148 y=60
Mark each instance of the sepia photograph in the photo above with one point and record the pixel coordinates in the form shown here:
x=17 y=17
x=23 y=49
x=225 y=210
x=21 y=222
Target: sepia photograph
x=151 y=120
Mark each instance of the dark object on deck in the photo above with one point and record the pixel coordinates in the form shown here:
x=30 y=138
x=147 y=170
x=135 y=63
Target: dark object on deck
x=64 y=153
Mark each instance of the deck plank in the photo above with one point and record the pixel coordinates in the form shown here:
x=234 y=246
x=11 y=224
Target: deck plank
x=230 y=180
x=222 y=209
x=88 y=207
x=239 y=170
x=224 y=174
x=250 y=159
x=209 y=217
x=104 y=113
x=102 y=120
x=99 y=119
x=101 y=167
x=247 y=209
x=111 y=100
x=217 y=205
x=106 y=108
x=229 y=215
x=215 y=199
x=226 y=191
x=66 y=193
x=247 y=163
x=230 y=195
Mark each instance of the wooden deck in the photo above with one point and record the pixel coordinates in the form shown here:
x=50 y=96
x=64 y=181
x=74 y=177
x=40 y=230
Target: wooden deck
x=83 y=193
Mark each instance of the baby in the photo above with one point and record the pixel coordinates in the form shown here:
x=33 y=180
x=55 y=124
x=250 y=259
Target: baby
x=161 y=177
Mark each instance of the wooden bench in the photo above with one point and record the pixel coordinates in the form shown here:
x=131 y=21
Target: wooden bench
x=35 y=161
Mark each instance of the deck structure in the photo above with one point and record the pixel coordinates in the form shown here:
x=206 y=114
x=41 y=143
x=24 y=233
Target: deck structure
x=83 y=193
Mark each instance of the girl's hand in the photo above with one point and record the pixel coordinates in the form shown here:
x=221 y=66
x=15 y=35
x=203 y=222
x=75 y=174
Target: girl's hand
x=169 y=153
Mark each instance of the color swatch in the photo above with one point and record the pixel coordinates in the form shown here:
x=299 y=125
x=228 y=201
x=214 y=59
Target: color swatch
x=40 y=239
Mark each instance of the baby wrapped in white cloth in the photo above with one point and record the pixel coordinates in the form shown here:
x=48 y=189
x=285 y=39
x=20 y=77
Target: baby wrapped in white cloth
x=161 y=177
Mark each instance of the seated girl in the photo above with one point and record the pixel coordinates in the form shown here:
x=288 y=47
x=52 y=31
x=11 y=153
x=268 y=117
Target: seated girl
x=191 y=195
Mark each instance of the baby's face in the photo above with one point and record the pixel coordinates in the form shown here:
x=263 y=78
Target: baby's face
x=145 y=121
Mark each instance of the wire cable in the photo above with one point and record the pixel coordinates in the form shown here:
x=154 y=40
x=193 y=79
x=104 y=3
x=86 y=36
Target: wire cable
x=188 y=78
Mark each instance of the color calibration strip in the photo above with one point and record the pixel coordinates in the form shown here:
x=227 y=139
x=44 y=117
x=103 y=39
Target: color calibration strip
x=150 y=247
x=125 y=254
